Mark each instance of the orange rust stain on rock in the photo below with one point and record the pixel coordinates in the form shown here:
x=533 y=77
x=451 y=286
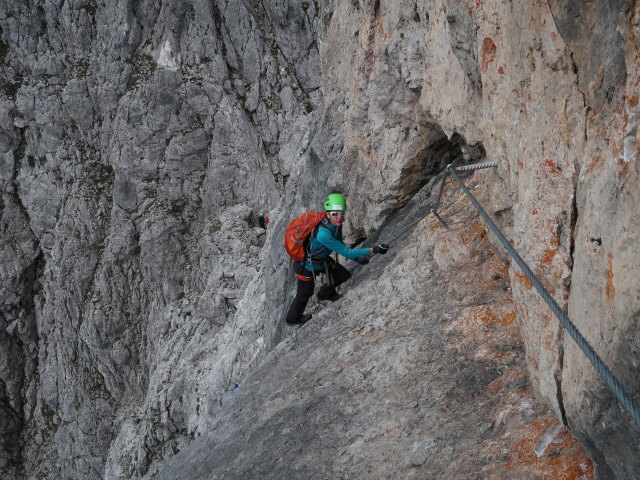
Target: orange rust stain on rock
x=548 y=256
x=479 y=3
x=549 y=342
x=534 y=212
x=512 y=374
x=488 y=53
x=496 y=268
x=624 y=170
x=435 y=227
x=501 y=70
x=508 y=318
x=477 y=230
x=475 y=233
x=570 y=467
x=573 y=465
x=594 y=163
x=633 y=101
x=503 y=267
x=526 y=283
x=610 y=289
x=464 y=238
x=576 y=468
x=490 y=318
x=553 y=169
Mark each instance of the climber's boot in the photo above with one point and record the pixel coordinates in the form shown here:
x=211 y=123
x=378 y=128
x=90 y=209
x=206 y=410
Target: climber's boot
x=302 y=320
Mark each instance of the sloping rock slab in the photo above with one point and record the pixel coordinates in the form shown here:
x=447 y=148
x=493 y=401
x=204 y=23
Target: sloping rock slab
x=424 y=379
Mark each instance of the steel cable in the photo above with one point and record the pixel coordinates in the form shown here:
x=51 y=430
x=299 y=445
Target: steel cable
x=476 y=166
x=621 y=394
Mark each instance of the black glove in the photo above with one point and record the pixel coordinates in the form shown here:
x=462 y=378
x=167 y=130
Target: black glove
x=381 y=248
x=362 y=260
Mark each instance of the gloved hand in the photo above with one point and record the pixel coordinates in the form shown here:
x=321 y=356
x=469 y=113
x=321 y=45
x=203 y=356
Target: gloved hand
x=362 y=260
x=381 y=248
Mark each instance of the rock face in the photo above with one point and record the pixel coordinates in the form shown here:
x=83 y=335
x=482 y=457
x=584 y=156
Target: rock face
x=425 y=378
x=139 y=141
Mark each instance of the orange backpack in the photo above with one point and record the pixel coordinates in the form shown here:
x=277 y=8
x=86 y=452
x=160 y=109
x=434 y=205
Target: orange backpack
x=297 y=234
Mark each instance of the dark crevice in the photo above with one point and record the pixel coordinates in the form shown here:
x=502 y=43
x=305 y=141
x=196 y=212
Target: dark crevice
x=558 y=380
x=433 y=159
x=20 y=336
x=4 y=49
x=573 y=219
x=23 y=343
x=573 y=223
x=6 y=407
x=218 y=21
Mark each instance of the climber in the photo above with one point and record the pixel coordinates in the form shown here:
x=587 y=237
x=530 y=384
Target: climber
x=325 y=239
x=263 y=221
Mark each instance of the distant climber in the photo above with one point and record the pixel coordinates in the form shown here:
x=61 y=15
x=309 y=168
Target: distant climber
x=263 y=221
x=324 y=238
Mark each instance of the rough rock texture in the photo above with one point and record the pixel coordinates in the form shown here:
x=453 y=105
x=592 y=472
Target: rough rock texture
x=139 y=140
x=424 y=379
x=530 y=85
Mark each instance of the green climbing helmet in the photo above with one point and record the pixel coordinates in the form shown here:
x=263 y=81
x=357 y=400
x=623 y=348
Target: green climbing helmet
x=335 y=201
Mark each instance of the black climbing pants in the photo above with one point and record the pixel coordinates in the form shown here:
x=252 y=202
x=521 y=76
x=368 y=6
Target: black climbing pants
x=337 y=275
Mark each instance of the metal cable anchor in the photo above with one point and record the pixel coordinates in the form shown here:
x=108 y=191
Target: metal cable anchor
x=463 y=168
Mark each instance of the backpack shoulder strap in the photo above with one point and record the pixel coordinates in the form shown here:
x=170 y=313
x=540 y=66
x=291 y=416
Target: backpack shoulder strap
x=314 y=234
x=322 y=224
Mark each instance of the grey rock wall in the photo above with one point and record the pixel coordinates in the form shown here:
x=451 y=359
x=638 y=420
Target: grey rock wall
x=139 y=141
x=415 y=373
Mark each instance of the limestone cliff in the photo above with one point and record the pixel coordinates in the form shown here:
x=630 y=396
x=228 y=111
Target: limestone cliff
x=140 y=140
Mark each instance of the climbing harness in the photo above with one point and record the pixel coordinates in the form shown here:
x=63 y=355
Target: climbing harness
x=311 y=256
x=614 y=384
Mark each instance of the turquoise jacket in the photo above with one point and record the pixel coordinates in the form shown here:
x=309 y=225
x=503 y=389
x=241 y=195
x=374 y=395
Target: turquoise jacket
x=329 y=239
